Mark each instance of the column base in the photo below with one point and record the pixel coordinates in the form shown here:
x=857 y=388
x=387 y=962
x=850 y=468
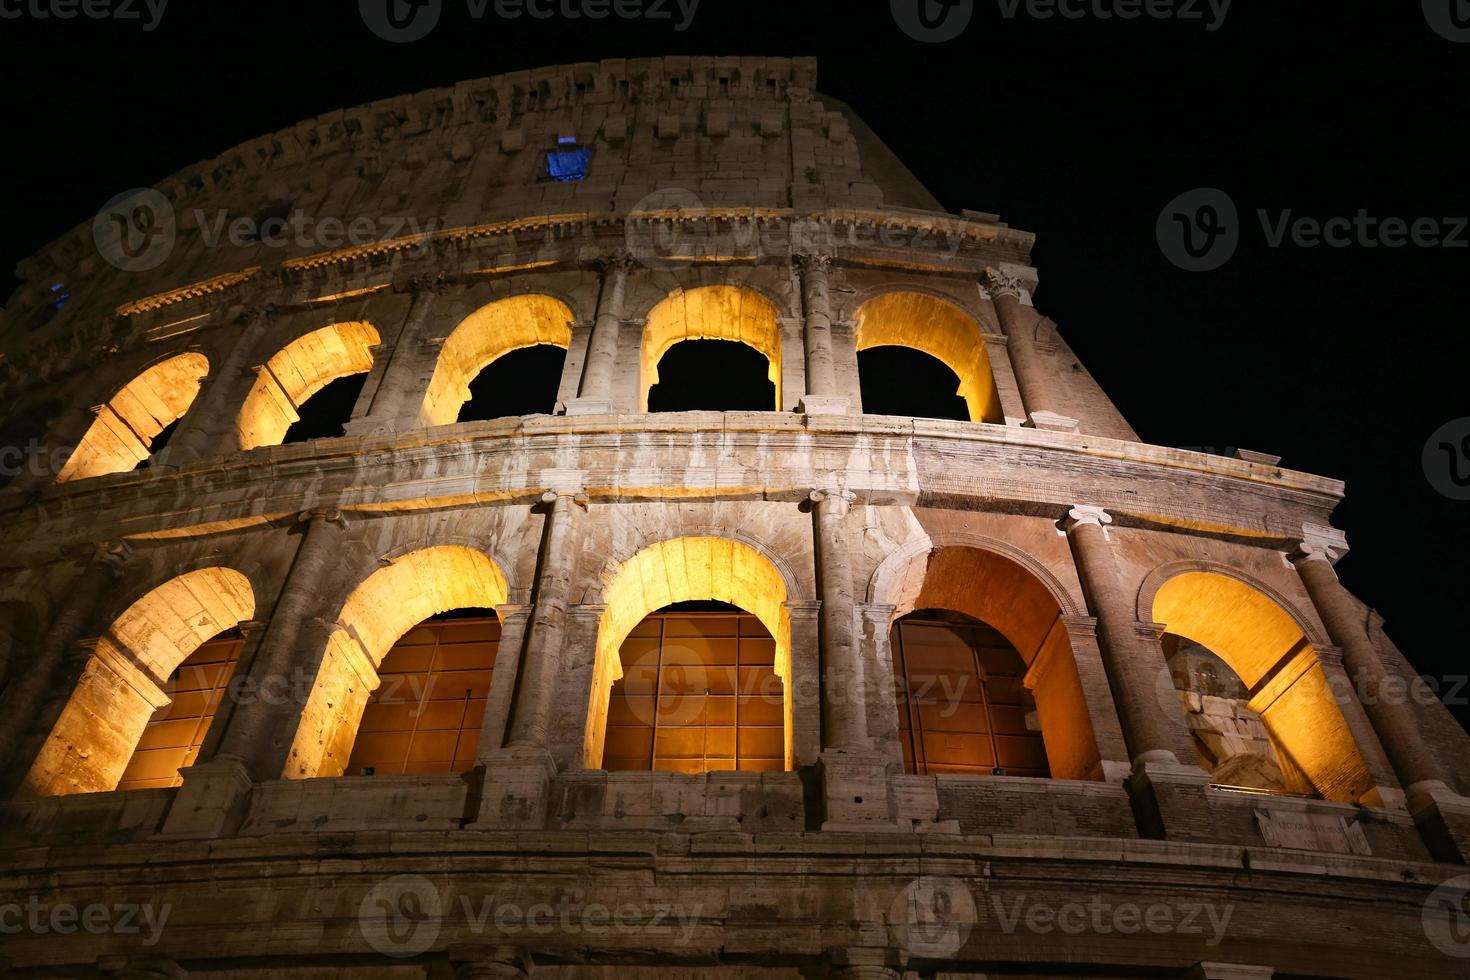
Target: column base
x=587 y=406
x=1051 y=422
x=825 y=405
x=856 y=797
x=1443 y=819
x=212 y=802
x=515 y=790
x=1170 y=801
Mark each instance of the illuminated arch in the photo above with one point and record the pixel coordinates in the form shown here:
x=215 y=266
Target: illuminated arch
x=685 y=570
x=1279 y=666
x=483 y=337
x=1003 y=592
x=941 y=330
x=711 y=313
x=123 y=682
x=123 y=435
x=296 y=372
x=389 y=603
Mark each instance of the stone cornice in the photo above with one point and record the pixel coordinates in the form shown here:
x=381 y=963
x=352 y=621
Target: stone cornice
x=940 y=464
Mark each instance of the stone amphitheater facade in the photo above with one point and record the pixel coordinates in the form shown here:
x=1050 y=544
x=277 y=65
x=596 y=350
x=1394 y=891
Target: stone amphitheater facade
x=724 y=199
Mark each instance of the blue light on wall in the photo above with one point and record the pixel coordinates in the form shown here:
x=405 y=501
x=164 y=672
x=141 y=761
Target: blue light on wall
x=569 y=162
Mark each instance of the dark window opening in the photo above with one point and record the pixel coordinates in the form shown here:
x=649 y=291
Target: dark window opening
x=568 y=162
x=906 y=382
x=326 y=414
x=713 y=376
x=160 y=441
x=523 y=382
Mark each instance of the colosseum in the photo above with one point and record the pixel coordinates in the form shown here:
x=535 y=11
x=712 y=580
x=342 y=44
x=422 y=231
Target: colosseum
x=396 y=598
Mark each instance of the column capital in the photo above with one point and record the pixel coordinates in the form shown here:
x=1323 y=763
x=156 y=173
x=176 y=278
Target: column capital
x=1320 y=542
x=256 y=314
x=326 y=515
x=802 y=608
x=998 y=283
x=576 y=496
x=587 y=611
x=618 y=261
x=490 y=961
x=812 y=261
x=112 y=555
x=428 y=283
x=139 y=968
x=1084 y=515
x=248 y=626
x=878 y=613
x=509 y=610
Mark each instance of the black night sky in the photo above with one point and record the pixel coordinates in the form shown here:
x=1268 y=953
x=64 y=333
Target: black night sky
x=1343 y=360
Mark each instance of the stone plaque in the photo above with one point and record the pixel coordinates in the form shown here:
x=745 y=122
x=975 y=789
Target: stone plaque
x=1305 y=831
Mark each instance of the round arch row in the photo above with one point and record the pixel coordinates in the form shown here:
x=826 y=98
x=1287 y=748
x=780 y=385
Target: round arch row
x=137 y=420
x=1275 y=657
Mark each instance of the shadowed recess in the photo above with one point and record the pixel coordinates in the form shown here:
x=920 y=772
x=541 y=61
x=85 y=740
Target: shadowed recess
x=297 y=372
x=712 y=313
x=941 y=330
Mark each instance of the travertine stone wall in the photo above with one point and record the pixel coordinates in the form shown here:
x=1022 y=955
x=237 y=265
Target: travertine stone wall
x=726 y=173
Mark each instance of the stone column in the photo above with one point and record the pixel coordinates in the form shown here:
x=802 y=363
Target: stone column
x=530 y=717
x=210 y=803
x=400 y=374
x=1030 y=369
x=822 y=396
x=877 y=654
x=806 y=682
x=513 y=622
x=27 y=694
x=207 y=428
x=517 y=778
x=595 y=395
x=1168 y=794
x=1133 y=672
x=1442 y=815
x=844 y=712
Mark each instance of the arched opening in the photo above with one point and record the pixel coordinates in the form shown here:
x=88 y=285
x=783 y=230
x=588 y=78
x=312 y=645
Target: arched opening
x=712 y=376
x=426 y=713
x=309 y=388
x=126 y=683
x=906 y=382
x=729 y=313
x=1004 y=612
x=941 y=330
x=693 y=689
x=523 y=382
x=963 y=706
x=699 y=693
x=129 y=425
x=449 y=660
x=486 y=337
x=1281 y=677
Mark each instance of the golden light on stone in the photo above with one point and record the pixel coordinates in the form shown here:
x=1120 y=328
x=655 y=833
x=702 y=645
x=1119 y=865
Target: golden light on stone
x=483 y=337
x=296 y=372
x=124 y=679
x=941 y=330
x=392 y=601
x=686 y=570
x=123 y=434
x=1281 y=669
x=711 y=313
